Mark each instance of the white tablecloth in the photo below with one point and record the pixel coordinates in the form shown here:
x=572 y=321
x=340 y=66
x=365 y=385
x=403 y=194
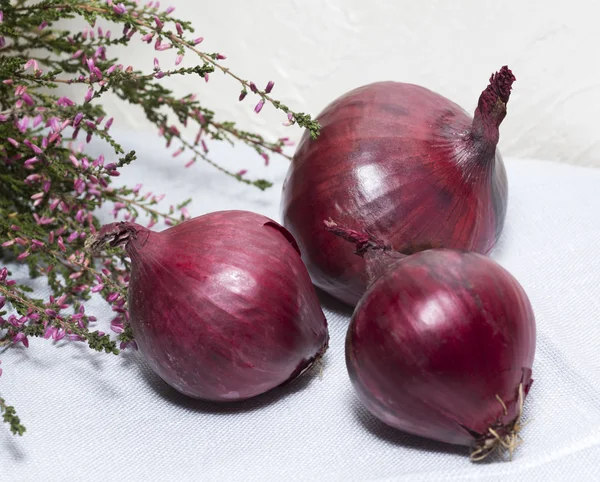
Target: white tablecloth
x=97 y=417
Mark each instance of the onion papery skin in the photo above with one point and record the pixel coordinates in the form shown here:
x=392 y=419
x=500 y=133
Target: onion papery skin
x=405 y=163
x=222 y=307
x=436 y=340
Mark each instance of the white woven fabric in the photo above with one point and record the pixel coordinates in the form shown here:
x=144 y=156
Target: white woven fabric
x=97 y=417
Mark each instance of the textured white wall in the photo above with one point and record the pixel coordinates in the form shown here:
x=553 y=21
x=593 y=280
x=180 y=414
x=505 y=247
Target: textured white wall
x=315 y=50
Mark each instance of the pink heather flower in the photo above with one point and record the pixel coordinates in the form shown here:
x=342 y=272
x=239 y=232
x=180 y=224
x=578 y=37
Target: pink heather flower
x=65 y=102
x=6 y=244
x=107 y=35
x=116 y=325
x=111 y=69
x=23 y=255
x=158 y=22
x=43 y=25
x=178 y=59
x=259 y=106
x=265 y=156
x=112 y=297
x=12 y=141
x=243 y=95
x=51 y=237
x=37 y=243
x=198 y=40
x=77 y=54
x=20 y=337
x=190 y=162
x=161 y=47
x=92 y=35
x=253 y=87
x=204 y=146
x=72 y=237
x=269 y=87
x=109 y=123
x=169 y=10
x=31 y=63
x=290 y=120
x=221 y=57
x=242 y=172
x=97 y=288
x=48 y=332
x=148 y=37
x=100 y=53
x=2 y=302
x=131 y=33
x=19 y=104
x=156 y=64
x=32 y=146
x=74 y=160
x=179 y=28
x=46 y=186
x=32 y=178
x=37 y=195
x=177 y=152
x=100 y=31
x=28 y=164
x=77 y=119
x=89 y=94
x=61 y=244
x=27 y=99
x=119 y=9
x=3 y=118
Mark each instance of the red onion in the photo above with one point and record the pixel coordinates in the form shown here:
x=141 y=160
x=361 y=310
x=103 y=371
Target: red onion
x=407 y=164
x=221 y=306
x=442 y=345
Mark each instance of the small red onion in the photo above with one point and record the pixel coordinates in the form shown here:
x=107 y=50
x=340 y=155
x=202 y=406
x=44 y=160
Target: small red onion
x=405 y=163
x=441 y=345
x=221 y=306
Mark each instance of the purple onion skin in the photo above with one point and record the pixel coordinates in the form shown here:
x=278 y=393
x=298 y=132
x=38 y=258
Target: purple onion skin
x=407 y=164
x=222 y=307
x=435 y=339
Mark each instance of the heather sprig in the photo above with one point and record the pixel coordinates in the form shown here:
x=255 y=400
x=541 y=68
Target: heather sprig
x=51 y=189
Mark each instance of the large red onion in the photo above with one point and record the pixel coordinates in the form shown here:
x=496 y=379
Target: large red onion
x=221 y=306
x=442 y=346
x=405 y=163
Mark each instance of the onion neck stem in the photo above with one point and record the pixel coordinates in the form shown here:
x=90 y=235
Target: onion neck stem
x=491 y=109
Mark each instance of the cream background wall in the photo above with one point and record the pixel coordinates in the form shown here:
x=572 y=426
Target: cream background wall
x=315 y=50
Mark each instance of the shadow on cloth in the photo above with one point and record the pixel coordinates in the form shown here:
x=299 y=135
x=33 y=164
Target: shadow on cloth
x=366 y=421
